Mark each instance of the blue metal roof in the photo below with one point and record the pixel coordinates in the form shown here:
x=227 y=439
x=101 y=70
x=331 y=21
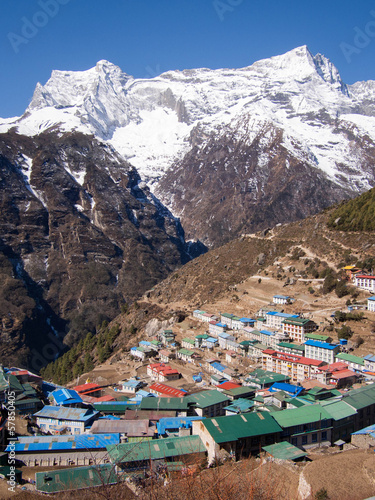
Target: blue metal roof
x=247 y=320
x=221 y=324
x=66 y=396
x=371 y=298
x=69 y=442
x=282 y=315
x=131 y=383
x=370 y=357
x=322 y=345
x=283 y=386
x=266 y=332
x=218 y=366
x=211 y=339
x=62 y=413
x=175 y=423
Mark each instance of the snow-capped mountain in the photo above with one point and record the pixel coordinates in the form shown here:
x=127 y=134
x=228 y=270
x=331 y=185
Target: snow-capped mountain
x=159 y=124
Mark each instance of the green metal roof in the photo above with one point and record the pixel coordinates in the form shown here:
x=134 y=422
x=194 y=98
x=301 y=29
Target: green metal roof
x=351 y=358
x=285 y=451
x=202 y=336
x=177 y=404
x=338 y=409
x=296 y=321
x=296 y=347
x=53 y=481
x=317 y=336
x=233 y=427
x=361 y=398
x=205 y=399
x=190 y=341
x=265 y=377
x=300 y=416
x=240 y=391
x=155 y=449
x=113 y=408
x=187 y=352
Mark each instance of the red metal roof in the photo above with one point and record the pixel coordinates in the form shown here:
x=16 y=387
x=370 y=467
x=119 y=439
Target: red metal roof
x=166 y=390
x=86 y=387
x=365 y=276
x=229 y=385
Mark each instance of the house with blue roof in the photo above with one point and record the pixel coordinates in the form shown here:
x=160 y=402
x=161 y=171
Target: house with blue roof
x=290 y=389
x=369 y=362
x=63 y=450
x=131 y=386
x=371 y=303
x=66 y=397
x=321 y=351
x=55 y=419
x=274 y=319
x=168 y=426
x=214 y=328
x=282 y=299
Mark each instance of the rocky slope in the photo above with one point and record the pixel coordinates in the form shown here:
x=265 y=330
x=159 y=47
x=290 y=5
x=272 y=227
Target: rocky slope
x=80 y=235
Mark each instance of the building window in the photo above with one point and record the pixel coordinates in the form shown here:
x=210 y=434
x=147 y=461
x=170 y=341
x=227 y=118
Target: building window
x=304 y=440
x=324 y=436
x=314 y=438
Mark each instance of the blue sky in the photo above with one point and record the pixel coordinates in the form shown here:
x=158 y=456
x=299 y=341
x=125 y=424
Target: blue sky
x=147 y=37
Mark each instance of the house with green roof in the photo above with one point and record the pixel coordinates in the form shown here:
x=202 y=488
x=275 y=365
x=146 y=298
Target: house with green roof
x=179 y=405
x=237 y=435
x=263 y=378
x=285 y=451
x=305 y=427
x=355 y=363
x=342 y=415
x=188 y=343
x=187 y=355
x=319 y=337
x=208 y=403
x=76 y=478
x=137 y=456
x=291 y=348
x=362 y=400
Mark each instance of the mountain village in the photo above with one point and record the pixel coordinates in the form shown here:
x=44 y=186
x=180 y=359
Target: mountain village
x=274 y=386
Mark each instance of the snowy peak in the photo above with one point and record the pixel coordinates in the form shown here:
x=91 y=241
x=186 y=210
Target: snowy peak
x=300 y=65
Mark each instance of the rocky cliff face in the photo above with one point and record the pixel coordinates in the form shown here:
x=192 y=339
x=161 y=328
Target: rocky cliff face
x=80 y=235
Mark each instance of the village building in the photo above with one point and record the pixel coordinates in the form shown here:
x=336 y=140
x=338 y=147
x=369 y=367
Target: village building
x=282 y=299
x=66 y=397
x=317 y=336
x=274 y=319
x=215 y=328
x=162 y=372
x=164 y=390
x=298 y=368
x=65 y=450
x=131 y=386
x=365 y=282
x=371 y=303
x=208 y=403
x=141 y=352
x=167 y=337
x=55 y=419
x=237 y=436
x=187 y=355
x=165 y=356
x=305 y=427
x=198 y=314
x=355 y=363
x=296 y=328
x=321 y=350
x=291 y=348
x=188 y=343
x=369 y=362
x=130 y=458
